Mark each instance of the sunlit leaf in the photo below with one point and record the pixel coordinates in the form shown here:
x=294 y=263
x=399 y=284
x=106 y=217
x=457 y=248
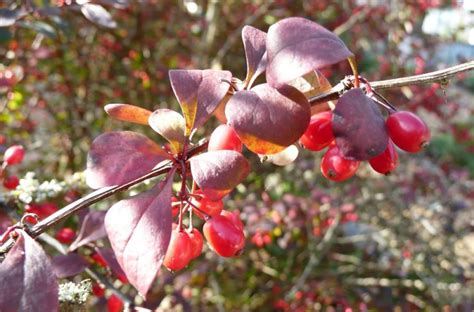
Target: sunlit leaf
x=358 y=126
x=127 y=112
x=97 y=14
x=27 y=278
x=68 y=265
x=283 y=158
x=199 y=92
x=312 y=84
x=139 y=230
x=218 y=172
x=295 y=46
x=92 y=229
x=119 y=157
x=170 y=125
x=268 y=120
x=255 y=47
x=220 y=110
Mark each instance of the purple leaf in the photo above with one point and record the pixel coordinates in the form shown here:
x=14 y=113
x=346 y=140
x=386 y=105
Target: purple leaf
x=295 y=46
x=170 y=125
x=97 y=14
x=268 y=120
x=109 y=257
x=68 y=265
x=139 y=230
x=255 y=47
x=27 y=278
x=92 y=229
x=119 y=157
x=359 y=126
x=218 y=172
x=199 y=92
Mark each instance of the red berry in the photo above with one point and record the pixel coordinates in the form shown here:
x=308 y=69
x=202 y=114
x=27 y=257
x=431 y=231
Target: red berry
x=179 y=251
x=14 y=155
x=387 y=161
x=47 y=209
x=42 y=210
x=65 y=235
x=98 y=290
x=11 y=182
x=33 y=208
x=114 y=304
x=224 y=236
x=234 y=217
x=224 y=137
x=197 y=242
x=205 y=205
x=319 y=134
x=408 y=131
x=99 y=260
x=337 y=168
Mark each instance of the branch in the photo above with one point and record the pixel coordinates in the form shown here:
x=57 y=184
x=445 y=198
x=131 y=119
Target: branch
x=436 y=76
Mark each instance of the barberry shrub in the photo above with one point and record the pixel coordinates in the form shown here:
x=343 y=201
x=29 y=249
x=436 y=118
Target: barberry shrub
x=155 y=228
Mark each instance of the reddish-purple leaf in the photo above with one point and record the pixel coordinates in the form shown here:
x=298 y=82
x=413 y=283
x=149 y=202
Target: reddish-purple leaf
x=139 y=230
x=268 y=120
x=359 y=126
x=109 y=257
x=97 y=14
x=170 y=125
x=119 y=157
x=255 y=47
x=68 y=265
x=295 y=46
x=199 y=92
x=218 y=172
x=127 y=112
x=27 y=278
x=92 y=229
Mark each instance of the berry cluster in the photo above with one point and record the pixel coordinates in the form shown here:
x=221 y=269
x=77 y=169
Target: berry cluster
x=13 y=156
x=405 y=129
x=222 y=229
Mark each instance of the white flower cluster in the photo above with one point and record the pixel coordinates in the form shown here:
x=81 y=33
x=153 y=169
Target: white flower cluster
x=75 y=293
x=31 y=189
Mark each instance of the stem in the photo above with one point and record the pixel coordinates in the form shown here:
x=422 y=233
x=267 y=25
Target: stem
x=436 y=76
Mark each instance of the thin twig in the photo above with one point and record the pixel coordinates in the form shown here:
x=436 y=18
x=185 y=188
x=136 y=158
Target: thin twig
x=436 y=76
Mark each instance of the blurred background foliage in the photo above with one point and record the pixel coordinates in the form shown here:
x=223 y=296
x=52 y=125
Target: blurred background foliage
x=402 y=242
